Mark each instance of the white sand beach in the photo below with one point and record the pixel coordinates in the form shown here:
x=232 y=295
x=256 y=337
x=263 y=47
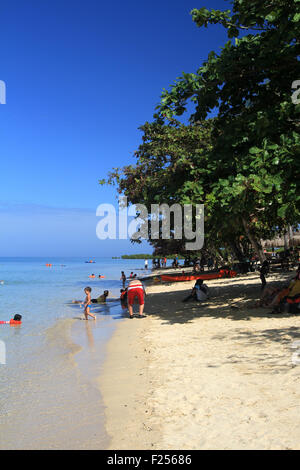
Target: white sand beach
x=213 y=376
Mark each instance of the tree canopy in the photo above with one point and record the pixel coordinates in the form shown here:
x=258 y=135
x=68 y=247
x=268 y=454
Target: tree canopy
x=242 y=163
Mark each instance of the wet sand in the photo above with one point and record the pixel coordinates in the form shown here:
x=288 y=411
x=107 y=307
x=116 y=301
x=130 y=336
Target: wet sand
x=214 y=376
x=53 y=401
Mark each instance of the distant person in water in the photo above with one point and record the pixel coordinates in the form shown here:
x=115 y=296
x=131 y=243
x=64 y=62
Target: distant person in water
x=146 y=264
x=17 y=320
x=123 y=278
x=87 y=304
x=101 y=298
x=136 y=290
x=131 y=275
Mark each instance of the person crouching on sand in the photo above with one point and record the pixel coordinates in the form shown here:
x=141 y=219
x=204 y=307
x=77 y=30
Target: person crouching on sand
x=135 y=290
x=87 y=304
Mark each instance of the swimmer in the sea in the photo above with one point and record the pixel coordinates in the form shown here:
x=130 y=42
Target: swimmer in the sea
x=17 y=320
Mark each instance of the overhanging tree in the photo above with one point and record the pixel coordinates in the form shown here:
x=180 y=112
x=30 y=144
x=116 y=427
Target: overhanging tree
x=255 y=141
x=243 y=164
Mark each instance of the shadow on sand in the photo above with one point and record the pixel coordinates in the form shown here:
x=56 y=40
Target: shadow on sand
x=232 y=299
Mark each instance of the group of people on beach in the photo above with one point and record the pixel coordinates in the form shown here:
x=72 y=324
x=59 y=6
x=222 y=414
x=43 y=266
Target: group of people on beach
x=88 y=301
x=134 y=291
x=285 y=298
x=159 y=262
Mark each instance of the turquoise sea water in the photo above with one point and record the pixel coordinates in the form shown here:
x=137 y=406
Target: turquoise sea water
x=49 y=393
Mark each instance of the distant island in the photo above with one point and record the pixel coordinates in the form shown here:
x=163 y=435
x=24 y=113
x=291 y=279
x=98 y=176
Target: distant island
x=147 y=256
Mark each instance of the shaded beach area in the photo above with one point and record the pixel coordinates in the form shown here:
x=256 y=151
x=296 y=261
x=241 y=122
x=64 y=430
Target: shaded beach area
x=215 y=375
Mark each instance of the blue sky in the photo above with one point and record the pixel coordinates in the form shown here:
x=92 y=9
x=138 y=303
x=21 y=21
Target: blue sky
x=81 y=77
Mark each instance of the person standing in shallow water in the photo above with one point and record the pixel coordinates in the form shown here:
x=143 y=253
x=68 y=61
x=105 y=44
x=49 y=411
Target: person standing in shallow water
x=123 y=278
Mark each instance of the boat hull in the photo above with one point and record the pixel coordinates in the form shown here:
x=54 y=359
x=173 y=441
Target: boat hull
x=195 y=277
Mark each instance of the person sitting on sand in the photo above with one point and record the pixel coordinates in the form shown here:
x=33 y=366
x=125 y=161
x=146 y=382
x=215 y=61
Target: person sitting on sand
x=101 y=298
x=289 y=294
x=294 y=288
x=136 y=290
x=200 y=292
x=295 y=285
x=269 y=294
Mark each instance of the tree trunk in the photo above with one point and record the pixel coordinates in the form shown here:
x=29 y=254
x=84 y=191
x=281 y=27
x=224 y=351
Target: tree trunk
x=237 y=252
x=255 y=244
x=287 y=237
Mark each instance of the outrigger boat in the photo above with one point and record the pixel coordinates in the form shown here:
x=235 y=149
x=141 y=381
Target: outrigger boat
x=194 y=277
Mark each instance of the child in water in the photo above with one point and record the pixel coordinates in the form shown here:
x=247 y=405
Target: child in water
x=87 y=304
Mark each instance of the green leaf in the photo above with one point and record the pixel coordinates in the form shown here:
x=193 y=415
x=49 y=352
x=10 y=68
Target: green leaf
x=296 y=18
x=254 y=150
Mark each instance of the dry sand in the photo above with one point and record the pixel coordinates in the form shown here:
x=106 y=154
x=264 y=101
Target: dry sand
x=192 y=376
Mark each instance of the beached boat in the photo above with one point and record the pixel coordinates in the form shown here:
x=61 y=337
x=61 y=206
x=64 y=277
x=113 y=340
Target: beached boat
x=194 y=277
